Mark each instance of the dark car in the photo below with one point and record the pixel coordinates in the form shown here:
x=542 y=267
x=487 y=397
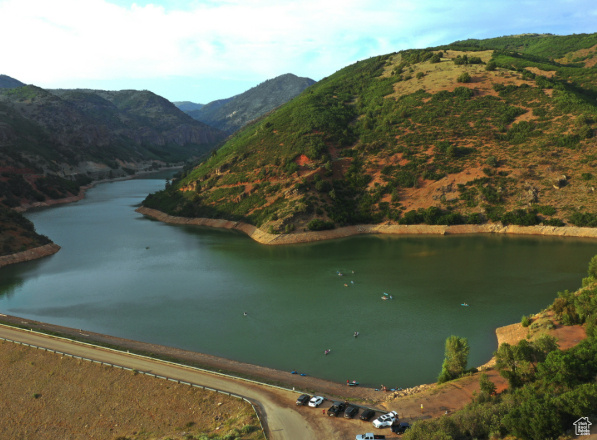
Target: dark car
x=367 y=415
x=303 y=399
x=399 y=428
x=350 y=411
x=336 y=409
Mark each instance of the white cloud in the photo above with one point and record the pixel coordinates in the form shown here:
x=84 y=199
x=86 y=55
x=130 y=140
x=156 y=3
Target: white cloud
x=65 y=41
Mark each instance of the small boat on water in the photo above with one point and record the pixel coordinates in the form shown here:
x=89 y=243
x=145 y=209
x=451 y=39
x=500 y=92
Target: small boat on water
x=353 y=383
x=464 y=304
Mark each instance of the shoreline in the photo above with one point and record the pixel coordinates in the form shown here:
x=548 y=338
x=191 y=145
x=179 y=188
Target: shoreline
x=263 y=237
x=83 y=190
x=265 y=375
x=51 y=248
x=29 y=255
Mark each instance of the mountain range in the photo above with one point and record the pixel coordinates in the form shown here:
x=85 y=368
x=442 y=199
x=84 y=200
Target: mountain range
x=52 y=140
x=495 y=130
x=231 y=114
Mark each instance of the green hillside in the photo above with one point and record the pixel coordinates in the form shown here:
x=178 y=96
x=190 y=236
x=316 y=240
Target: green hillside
x=476 y=131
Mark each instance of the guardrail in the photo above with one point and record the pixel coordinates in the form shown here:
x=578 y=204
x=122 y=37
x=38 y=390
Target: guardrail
x=147 y=373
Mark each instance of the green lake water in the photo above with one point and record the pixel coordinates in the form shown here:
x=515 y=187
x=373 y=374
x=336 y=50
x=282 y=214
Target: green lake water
x=125 y=275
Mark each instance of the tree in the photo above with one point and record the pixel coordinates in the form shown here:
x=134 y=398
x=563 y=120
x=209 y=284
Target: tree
x=456 y=358
x=593 y=267
x=517 y=363
x=544 y=345
x=488 y=388
x=506 y=364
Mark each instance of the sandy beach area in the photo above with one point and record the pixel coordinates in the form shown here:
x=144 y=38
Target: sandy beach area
x=348 y=231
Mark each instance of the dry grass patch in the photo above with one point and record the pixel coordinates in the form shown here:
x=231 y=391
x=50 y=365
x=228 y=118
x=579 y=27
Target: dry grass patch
x=49 y=396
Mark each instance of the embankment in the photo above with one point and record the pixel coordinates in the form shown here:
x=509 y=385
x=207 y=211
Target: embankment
x=347 y=231
x=29 y=254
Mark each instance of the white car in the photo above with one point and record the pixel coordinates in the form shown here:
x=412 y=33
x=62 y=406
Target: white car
x=316 y=401
x=385 y=420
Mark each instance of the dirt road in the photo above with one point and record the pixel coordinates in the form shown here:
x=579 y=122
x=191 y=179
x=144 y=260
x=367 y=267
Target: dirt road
x=282 y=421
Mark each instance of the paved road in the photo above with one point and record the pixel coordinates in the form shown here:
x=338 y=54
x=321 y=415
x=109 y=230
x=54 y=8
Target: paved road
x=282 y=420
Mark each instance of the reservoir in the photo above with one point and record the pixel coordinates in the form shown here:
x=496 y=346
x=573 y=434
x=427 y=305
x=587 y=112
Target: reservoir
x=122 y=274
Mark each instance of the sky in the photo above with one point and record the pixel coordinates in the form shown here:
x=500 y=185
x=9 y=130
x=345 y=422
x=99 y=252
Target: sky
x=203 y=50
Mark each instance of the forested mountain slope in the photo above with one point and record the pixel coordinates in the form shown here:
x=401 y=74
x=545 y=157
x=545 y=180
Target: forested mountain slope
x=52 y=141
x=471 y=132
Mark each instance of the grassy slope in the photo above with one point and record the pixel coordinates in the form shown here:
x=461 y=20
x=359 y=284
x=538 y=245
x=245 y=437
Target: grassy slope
x=46 y=396
x=400 y=133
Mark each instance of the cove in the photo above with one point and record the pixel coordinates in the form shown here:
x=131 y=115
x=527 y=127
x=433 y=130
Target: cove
x=122 y=274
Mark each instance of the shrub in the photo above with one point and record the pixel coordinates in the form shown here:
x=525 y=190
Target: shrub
x=521 y=217
x=461 y=60
x=583 y=219
x=545 y=209
x=525 y=321
x=464 y=77
x=553 y=222
x=492 y=161
x=474 y=219
x=318 y=224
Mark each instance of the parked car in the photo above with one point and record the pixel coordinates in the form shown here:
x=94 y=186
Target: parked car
x=336 y=409
x=316 y=401
x=350 y=411
x=303 y=399
x=370 y=436
x=367 y=415
x=385 y=420
x=399 y=428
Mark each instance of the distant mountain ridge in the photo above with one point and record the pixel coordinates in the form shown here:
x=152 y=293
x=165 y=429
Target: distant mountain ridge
x=6 y=82
x=230 y=114
x=187 y=106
